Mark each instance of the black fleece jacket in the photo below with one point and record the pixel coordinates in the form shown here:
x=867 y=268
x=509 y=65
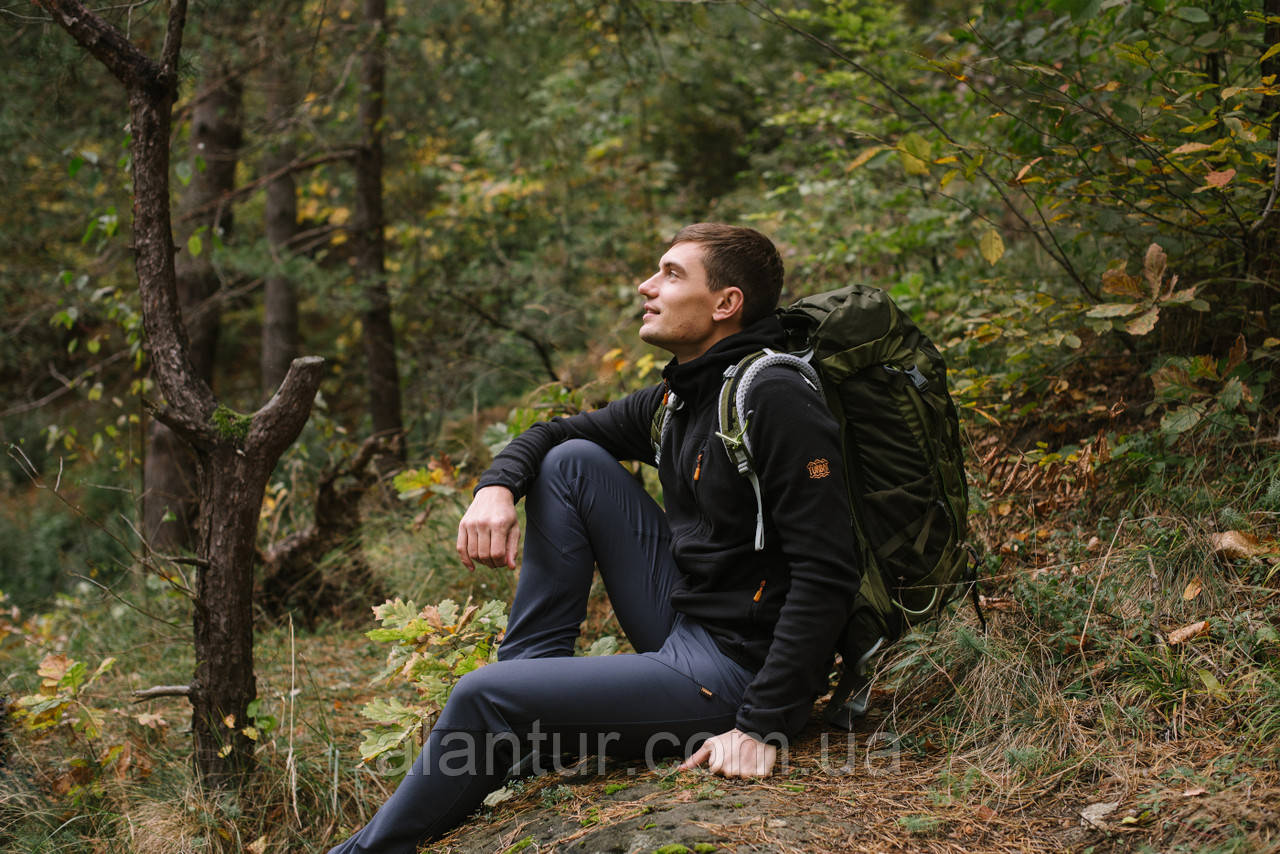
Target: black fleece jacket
x=778 y=611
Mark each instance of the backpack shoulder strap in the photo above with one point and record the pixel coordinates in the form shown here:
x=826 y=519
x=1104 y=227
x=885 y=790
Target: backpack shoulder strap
x=734 y=415
x=661 y=421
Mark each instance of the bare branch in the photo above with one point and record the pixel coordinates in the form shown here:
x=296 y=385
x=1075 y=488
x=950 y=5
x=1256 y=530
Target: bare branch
x=131 y=66
x=246 y=189
x=281 y=419
x=198 y=433
x=173 y=39
x=161 y=691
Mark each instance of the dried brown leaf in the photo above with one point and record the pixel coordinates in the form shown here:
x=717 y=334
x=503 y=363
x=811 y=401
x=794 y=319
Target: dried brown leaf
x=1193 y=589
x=1153 y=267
x=1236 y=544
x=1188 y=632
x=1117 y=281
x=1237 y=353
x=1143 y=323
x=1220 y=179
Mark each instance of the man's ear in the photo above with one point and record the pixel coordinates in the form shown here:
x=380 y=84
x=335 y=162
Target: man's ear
x=729 y=302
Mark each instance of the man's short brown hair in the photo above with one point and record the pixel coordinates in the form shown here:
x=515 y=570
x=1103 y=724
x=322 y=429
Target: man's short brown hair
x=741 y=257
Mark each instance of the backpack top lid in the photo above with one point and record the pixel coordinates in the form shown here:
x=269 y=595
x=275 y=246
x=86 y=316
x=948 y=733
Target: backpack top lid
x=852 y=328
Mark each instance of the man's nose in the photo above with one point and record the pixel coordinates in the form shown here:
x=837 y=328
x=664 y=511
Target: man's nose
x=646 y=287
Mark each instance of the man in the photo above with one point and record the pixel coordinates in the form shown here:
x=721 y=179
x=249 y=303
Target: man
x=733 y=639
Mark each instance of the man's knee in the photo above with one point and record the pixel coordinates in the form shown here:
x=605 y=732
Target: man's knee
x=474 y=702
x=571 y=456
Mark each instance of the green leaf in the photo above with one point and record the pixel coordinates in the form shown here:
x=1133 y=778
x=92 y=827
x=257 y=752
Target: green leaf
x=1113 y=309
x=379 y=740
x=1180 y=420
x=606 y=645
x=1212 y=685
x=195 y=245
x=1231 y=395
x=74 y=677
x=389 y=710
x=1191 y=14
x=395 y=612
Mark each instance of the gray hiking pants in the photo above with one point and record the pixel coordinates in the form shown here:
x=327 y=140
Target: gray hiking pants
x=582 y=510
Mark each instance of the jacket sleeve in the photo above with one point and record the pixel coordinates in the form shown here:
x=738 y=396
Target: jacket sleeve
x=796 y=449
x=622 y=428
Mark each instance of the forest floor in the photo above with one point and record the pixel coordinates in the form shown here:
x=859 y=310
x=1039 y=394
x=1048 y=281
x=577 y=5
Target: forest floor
x=844 y=792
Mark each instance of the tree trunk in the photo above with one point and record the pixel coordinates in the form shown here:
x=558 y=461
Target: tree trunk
x=170 y=506
x=280 y=300
x=379 y=334
x=235 y=453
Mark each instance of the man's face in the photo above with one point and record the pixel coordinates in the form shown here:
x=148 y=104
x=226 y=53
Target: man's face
x=681 y=314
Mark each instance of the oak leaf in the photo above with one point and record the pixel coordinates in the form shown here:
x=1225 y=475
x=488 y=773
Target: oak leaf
x=1236 y=544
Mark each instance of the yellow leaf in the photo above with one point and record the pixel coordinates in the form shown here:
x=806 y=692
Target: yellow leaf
x=1188 y=632
x=1190 y=148
x=865 y=155
x=1025 y=169
x=1270 y=52
x=225 y=751
x=250 y=733
x=948 y=178
x=229 y=721
x=340 y=216
x=257 y=846
x=1193 y=589
x=912 y=165
x=991 y=245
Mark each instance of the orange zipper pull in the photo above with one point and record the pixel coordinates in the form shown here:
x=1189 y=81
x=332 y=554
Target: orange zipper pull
x=697 y=470
x=759 y=592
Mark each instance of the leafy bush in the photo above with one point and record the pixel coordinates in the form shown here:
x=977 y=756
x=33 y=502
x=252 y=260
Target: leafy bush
x=431 y=649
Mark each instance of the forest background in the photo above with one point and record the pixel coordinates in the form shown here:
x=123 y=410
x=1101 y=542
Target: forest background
x=451 y=203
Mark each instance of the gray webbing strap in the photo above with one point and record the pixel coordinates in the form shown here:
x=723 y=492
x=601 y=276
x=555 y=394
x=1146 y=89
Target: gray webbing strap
x=737 y=443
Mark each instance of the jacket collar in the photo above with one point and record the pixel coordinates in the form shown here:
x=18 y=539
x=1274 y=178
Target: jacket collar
x=702 y=376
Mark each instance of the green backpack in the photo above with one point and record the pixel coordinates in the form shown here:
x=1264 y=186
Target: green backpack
x=886 y=384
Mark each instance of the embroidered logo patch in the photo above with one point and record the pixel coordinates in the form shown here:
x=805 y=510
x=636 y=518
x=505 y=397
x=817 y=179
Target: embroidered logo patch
x=819 y=468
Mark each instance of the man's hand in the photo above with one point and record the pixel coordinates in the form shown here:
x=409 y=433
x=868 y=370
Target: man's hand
x=734 y=754
x=489 y=532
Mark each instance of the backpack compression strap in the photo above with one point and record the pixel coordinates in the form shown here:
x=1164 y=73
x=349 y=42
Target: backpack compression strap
x=733 y=414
